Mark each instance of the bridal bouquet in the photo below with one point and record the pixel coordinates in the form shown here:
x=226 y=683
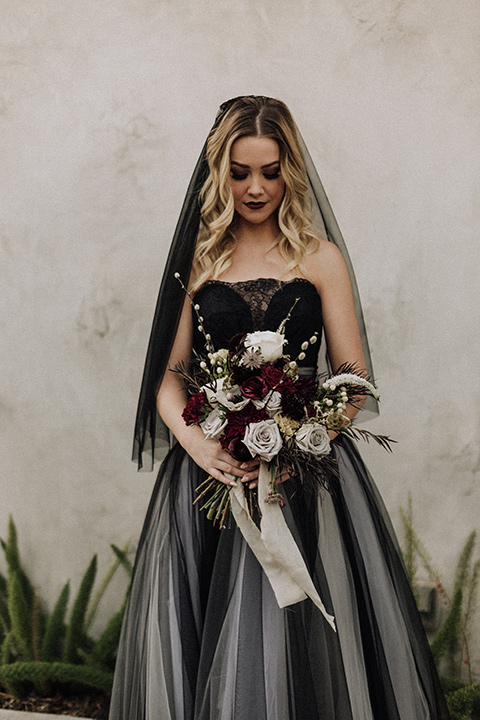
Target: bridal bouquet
x=253 y=399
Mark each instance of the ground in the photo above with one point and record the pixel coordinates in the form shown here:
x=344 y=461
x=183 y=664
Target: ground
x=86 y=706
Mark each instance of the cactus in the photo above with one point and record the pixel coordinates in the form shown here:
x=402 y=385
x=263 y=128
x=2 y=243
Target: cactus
x=41 y=651
x=120 y=559
x=55 y=627
x=59 y=672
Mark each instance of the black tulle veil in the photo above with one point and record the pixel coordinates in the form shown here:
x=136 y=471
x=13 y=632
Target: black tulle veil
x=152 y=437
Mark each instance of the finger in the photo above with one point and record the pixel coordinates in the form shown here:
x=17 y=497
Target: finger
x=249 y=464
x=218 y=475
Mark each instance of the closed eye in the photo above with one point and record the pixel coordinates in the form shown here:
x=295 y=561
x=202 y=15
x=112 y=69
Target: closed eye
x=237 y=176
x=269 y=176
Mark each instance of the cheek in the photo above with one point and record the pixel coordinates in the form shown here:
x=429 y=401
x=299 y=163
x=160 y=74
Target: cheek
x=280 y=190
x=236 y=191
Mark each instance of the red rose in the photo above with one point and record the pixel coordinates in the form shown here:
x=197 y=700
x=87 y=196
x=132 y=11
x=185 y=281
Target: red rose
x=272 y=375
x=237 y=421
x=193 y=411
x=254 y=388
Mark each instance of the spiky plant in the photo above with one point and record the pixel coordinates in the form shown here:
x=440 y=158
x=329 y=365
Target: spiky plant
x=51 y=651
x=451 y=644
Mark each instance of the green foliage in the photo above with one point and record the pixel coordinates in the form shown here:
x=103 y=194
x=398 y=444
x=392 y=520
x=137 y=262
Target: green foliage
x=75 y=638
x=20 y=616
x=55 y=628
x=57 y=672
x=464 y=703
x=447 y=637
x=120 y=559
x=51 y=651
x=452 y=641
x=105 y=649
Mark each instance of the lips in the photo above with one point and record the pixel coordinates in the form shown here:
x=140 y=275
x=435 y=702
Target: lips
x=255 y=205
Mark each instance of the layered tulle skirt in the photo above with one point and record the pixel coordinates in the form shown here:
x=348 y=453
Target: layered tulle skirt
x=203 y=636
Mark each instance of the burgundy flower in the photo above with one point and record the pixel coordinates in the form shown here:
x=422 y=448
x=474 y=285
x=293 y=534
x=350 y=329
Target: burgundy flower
x=293 y=405
x=238 y=450
x=193 y=411
x=293 y=398
x=254 y=388
x=237 y=421
x=311 y=411
x=306 y=387
x=235 y=343
x=272 y=375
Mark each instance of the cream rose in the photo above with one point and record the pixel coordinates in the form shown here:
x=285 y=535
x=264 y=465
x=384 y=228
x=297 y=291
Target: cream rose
x=269 y=344
x=263 y=439
x=214 y=424
x=313 y=439
x=274 y=403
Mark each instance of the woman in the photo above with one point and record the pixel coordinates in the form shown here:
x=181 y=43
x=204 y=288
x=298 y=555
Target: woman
x=204 y=637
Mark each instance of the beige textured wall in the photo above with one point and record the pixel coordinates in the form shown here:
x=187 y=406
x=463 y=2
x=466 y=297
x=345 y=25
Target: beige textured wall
x=103 y=110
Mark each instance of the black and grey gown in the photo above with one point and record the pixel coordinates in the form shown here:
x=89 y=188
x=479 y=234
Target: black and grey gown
x=203 y=636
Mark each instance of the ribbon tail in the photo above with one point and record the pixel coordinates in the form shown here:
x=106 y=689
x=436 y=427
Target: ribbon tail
x=275 y=548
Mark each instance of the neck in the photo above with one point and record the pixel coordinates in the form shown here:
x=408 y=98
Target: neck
x=263 y=235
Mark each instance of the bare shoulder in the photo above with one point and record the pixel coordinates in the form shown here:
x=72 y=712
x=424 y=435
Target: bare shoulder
x=326 y=265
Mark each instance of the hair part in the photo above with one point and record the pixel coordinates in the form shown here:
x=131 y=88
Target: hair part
x=252 y=116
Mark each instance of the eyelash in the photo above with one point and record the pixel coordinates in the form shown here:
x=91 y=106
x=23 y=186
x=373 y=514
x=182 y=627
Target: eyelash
x=267 y=176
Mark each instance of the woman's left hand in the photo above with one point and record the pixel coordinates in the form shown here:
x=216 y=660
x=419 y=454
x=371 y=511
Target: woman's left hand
x=252 y=475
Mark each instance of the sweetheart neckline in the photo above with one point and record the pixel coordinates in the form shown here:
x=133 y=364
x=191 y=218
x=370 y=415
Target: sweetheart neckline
x=253 y=280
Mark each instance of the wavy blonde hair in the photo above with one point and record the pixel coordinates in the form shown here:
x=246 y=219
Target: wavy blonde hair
x=253 y=116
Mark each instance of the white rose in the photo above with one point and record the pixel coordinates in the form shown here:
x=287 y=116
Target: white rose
x=269 y=344
x=313 y=439
x=214 y=424
x=263 y=439
x=274 y=403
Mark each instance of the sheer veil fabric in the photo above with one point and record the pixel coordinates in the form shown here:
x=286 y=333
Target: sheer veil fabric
x=151 y=438
x=203 y=637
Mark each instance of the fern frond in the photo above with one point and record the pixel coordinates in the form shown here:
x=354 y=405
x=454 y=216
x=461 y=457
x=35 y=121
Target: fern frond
x=448 y=634
x=357 y=433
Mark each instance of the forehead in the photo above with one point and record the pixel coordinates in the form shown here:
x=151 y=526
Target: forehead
x=255 y=151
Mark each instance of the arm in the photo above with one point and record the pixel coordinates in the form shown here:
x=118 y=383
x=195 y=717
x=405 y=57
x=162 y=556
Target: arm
x=171 y=400
x=332 y=281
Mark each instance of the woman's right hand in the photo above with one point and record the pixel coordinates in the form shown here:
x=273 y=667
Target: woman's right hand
x=217 y=462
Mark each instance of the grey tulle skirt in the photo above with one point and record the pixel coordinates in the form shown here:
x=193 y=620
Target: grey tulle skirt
x=204 y=639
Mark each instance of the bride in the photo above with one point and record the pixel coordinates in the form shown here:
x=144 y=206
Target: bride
x=204 y=637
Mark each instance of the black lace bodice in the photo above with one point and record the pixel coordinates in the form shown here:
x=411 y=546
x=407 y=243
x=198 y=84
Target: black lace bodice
x=261 y=304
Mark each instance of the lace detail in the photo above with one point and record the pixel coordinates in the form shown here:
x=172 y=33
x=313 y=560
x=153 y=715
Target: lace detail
x=257 y=294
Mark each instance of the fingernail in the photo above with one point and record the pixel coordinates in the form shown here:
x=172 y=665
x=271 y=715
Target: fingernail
x=233 y=483
x=251 y=486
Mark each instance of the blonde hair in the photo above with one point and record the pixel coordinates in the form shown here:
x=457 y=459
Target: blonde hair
x=253 y=116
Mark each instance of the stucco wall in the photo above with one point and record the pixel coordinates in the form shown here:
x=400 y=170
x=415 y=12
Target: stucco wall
x=103 y=110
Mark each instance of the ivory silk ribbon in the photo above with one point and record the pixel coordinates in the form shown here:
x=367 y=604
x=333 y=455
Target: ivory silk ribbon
x=275 y=548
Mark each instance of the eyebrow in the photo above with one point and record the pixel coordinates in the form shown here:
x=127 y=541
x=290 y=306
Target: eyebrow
x=275 y=162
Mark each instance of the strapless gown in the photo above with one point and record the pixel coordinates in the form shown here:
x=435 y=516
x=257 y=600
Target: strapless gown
x=203 y=636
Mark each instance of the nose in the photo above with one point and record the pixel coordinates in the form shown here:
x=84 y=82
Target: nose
x=256 y=187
